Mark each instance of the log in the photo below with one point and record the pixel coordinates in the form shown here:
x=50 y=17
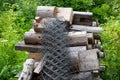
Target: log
x=90 y=37
x=91 y=41
x=78 y=38
x=86 y=28
x=82 y=76
x=36 y=64
x=37 y=19
x=27 y=70
x=75 y=38
x=89 y=60
x=73 y=54
x=71 y=34
x=85 y=76
x=32 y=38
x=83 y=61
x=90 y=46
x=67 y=13
x=39 y=25
x=82 y=18
x=39 y=67
x=77 y=49
x=37 y=48
x=46 y=11
x=30 y=48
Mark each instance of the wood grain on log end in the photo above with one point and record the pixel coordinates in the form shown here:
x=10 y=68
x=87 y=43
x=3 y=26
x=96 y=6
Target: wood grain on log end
x=66 y=13
x=82 y=18
x=46 y=11
x=33 y=38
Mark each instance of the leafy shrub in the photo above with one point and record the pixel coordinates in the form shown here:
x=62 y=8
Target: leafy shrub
x=111 y=43
x=101 y=12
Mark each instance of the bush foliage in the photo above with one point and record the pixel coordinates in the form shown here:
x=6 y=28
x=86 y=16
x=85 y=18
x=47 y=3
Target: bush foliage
x=16 y=18
x=111 y=39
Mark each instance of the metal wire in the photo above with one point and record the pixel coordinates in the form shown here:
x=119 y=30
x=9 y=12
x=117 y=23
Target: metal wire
x=56 y=65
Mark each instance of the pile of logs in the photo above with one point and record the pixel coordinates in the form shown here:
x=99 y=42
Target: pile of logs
x=85 y=45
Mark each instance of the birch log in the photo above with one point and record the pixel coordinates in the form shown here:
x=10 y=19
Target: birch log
x=27 y=70
x=39 y=67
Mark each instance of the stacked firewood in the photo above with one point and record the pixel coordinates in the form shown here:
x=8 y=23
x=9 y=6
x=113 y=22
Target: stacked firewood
x=85 y=45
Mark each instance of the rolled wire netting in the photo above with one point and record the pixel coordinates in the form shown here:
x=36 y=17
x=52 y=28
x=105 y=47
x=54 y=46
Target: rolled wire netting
x=56 y=61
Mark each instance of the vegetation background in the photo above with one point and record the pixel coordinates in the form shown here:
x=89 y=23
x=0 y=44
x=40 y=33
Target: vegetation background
x=16 y=18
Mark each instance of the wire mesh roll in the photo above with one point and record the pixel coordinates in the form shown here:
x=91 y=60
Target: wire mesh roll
x=56 y=65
